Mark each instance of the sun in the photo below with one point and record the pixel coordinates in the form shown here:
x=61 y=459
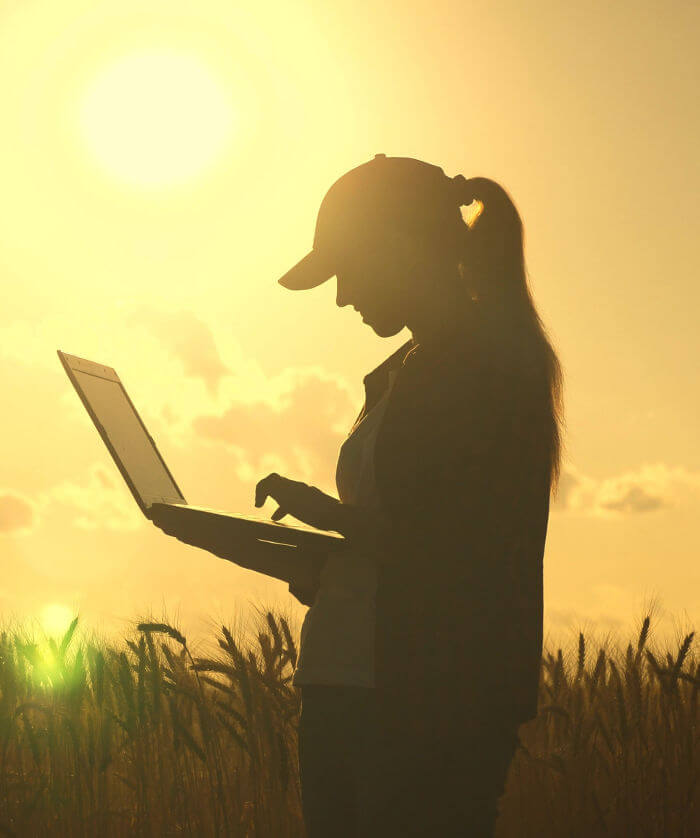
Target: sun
x=156 y=118
x=55 y=618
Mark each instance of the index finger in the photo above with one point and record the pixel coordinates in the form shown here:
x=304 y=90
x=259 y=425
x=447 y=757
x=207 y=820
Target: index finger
x=266 y=486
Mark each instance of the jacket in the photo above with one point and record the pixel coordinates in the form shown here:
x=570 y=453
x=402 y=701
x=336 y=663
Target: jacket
x=462 y=471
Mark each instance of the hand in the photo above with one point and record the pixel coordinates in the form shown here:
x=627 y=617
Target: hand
x=307 y=503
x=208 y=534
x=305 y=583
x=281 y=561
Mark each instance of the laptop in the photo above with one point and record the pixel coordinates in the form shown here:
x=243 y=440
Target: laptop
x=144 y=470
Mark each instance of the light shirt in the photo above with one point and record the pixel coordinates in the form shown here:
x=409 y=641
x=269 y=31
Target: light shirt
x=337 y=635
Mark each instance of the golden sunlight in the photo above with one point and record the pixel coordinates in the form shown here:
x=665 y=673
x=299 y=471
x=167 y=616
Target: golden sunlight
x=55 y=618
x=156 y=118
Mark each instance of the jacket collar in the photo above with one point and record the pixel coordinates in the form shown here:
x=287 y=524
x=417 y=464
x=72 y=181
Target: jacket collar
x=377 y=379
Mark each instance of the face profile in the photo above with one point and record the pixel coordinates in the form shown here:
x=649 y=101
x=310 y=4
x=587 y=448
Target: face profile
x=383 y=280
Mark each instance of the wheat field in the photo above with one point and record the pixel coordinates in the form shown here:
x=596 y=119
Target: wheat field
x=144 y=737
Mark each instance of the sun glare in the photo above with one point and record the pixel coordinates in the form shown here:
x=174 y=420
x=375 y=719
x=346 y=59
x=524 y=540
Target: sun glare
x=55 y=618
x=156 y=118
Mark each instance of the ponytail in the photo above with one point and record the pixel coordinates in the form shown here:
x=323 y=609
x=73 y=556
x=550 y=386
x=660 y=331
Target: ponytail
x=492 y=244
x=506 y=321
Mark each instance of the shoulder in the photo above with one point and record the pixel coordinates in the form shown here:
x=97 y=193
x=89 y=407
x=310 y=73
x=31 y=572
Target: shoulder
x=459 y=367
x=471 y=387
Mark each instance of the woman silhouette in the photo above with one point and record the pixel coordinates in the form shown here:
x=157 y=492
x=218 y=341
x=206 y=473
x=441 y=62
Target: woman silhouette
x=420 y=654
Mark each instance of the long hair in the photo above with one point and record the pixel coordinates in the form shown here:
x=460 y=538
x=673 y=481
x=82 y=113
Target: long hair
x=488 y=246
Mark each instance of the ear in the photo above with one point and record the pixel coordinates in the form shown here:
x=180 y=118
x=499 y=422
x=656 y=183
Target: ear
x=407 y=249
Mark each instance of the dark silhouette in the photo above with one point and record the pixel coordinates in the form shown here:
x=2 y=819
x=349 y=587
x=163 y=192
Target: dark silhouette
x=464 y=453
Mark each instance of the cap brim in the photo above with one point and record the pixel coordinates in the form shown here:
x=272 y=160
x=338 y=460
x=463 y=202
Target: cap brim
x=309 y=272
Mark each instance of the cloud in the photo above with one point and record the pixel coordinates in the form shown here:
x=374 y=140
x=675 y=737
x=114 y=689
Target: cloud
x=99 y=501
x=17 y=514
x=189 y=340
x=649 y=488
x=300 y=424
x=628 y=497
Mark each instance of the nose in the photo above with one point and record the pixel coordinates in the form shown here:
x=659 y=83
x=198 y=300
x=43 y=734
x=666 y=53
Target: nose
x=341 y=297
x=345 y=294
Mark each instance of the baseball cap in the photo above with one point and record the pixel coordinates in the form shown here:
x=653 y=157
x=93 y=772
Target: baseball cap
x=402 y=192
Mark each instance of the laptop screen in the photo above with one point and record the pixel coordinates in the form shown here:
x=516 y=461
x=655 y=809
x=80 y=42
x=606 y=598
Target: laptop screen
x=131 y=445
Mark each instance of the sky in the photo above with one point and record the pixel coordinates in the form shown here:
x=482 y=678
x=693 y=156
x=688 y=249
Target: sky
x=162 y=164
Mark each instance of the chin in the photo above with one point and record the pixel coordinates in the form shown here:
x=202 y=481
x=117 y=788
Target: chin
x=386 y=330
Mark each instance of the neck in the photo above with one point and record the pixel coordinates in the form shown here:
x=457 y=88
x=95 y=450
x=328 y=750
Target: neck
x=433 y=328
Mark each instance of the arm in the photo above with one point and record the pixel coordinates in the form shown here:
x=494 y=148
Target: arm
x=305 y=583
x=223 y=539
x=361 y=525
x=358 y=524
